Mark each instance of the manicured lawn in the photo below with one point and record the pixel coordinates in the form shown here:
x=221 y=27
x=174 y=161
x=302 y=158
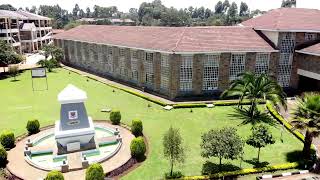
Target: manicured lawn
x=19 y=104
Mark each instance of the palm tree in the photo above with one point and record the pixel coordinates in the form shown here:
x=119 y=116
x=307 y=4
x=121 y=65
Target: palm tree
x=256 y=88
x=307 y=118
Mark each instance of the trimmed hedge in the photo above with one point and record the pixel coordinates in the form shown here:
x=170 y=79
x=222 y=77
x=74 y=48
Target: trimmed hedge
x=3 y=157
x=33 y=126
x=95 y=172
x=177 y=106
x=279 y=118
x=7 y=139
x=245 y=171
x=137 y=127
x=138 y=148
x=215 y=103
x=115 y=117
x=54 y=175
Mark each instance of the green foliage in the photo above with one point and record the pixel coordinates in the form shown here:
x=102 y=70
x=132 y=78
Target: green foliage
x=13 y=70
x=174 y=175
x=8 y=7
x=73 y=24
x=95 y=172
x=223 y=144
x=245 y=171
x=55 y=52
x=8 y=55
x=54 y=175
x=289 y=3
x=172 y=147
x=7 y=139
x=260 y=137
x=177 y=106
x=33 y=126
x=137 y=127
x=115 y=117
x=138 y=148
x=3 y=157
x=49 y=64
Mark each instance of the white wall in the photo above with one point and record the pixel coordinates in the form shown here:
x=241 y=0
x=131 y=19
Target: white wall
x=272 y=35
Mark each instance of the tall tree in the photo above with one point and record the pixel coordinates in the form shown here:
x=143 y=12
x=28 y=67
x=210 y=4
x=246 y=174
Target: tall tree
x=88 y=12
x=8 y=55
x=8 y=7
x=289 y=3
x=244 y=9
x=256 y=88
x=307 y=118
x=219 y=8
x=232 y=14
x=33 y=9
x=226 y=5
x=223 y=144
x=172 y=147
x=75 y=11
x=260 y=137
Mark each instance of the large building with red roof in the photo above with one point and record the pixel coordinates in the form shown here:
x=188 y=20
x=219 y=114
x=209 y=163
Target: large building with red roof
x=197 y=61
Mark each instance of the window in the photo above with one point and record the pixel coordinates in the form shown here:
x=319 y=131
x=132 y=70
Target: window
x=134 y=65
x=210 y=72
x=186 y=73
x=122 y=63
x=284 y=74
x=148 y=69
x=110 y=59
x=165 y=72
x=237 y=65
x=262 y=63
x=310 y=36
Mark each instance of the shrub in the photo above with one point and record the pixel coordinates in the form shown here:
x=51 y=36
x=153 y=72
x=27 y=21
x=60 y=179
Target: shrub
x=95 y=172
x=115 y=117
x=175 y=175
x=33 y=126
x=3 y=157
x=138 y=148
x=54 y=175
x=136 y=127
x=7 y=139
x=13 y=70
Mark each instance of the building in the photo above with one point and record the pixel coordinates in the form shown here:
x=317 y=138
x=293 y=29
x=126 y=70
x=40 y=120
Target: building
x=179 y=62
x=26 y=32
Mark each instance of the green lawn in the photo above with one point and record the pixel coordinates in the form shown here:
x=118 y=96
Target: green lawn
x=19 y=104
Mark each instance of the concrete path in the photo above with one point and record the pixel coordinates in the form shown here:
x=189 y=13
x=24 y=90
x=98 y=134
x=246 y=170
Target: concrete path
x=20 y=168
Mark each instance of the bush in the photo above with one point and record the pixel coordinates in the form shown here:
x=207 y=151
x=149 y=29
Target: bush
x=7 y=139
x=138 y=148
x=175 y=175
x=33 y=126
x=95 y=172
x=176 y=106
x=115 y=117
x=54 y=175
x=3 y=157
x=136 y=127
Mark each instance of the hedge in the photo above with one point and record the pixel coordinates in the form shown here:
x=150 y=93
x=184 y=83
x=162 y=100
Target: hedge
x=177 y=106
x=286 y=124
x=215 y=103
x=245 y=171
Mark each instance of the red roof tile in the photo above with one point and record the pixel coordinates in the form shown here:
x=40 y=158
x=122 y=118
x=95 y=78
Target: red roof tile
x=313 y=50
x=172 y=39
x=287 y=19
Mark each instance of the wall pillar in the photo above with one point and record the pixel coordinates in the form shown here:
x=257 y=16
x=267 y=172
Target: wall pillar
x=197 y=74
x=174 y=86
x=250 y=62
x=224 y=68
x=156 y=71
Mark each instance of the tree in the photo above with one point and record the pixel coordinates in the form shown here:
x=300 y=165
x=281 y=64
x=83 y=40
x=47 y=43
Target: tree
x=88 y=12
x=256 y=88
x=172 y=147
x=289 y=3
x=33 y=9
x=232 y=15
x=226 y=5
x=8 y=7
x=219 y=8
x=260 y=137
x=53 y=51
x=244 y=9
x=8 y=55
x=223 y=144
x=75 y=11
x=307 y=118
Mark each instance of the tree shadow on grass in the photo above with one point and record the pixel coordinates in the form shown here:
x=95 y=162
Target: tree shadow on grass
x=297 y=156
x=14 y=80
x=256 y=163
x=212 y=168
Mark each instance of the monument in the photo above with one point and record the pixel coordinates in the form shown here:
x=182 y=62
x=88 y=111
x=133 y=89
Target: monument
x=75 y=130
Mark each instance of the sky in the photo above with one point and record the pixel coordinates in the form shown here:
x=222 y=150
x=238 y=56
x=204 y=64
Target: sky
x=124 y=5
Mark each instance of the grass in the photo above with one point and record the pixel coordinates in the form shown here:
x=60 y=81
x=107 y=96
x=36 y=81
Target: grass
x=20 y=103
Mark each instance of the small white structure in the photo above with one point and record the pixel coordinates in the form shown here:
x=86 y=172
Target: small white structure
x=74 y=129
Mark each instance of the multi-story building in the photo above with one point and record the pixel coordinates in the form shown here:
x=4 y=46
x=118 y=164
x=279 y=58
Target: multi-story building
x=196 y=61
x=26 y=32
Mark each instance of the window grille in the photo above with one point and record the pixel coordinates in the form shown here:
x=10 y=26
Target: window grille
x=284 y=74
x=310 y=36
x=148 y=68
x=165 y=71
x=210 y=72
x=134 y=66
x=237 y=66
x=186 y=73
x=286 y=55
x=262 y=63
x=122 y=62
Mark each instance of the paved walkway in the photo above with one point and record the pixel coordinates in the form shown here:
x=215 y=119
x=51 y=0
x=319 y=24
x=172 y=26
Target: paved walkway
x=19 y=167
x=307 y=176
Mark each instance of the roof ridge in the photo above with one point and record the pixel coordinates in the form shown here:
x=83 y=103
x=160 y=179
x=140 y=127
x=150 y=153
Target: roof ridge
x=180 y=39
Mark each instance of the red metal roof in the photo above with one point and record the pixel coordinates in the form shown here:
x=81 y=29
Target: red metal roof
x=313 y=50
x=172 y=39
x=287 y=19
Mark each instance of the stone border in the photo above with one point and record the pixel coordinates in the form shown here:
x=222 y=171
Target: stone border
x=269 y=176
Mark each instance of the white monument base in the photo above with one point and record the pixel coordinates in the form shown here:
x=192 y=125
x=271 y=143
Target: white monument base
x=82 y=136
x=75 y=146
